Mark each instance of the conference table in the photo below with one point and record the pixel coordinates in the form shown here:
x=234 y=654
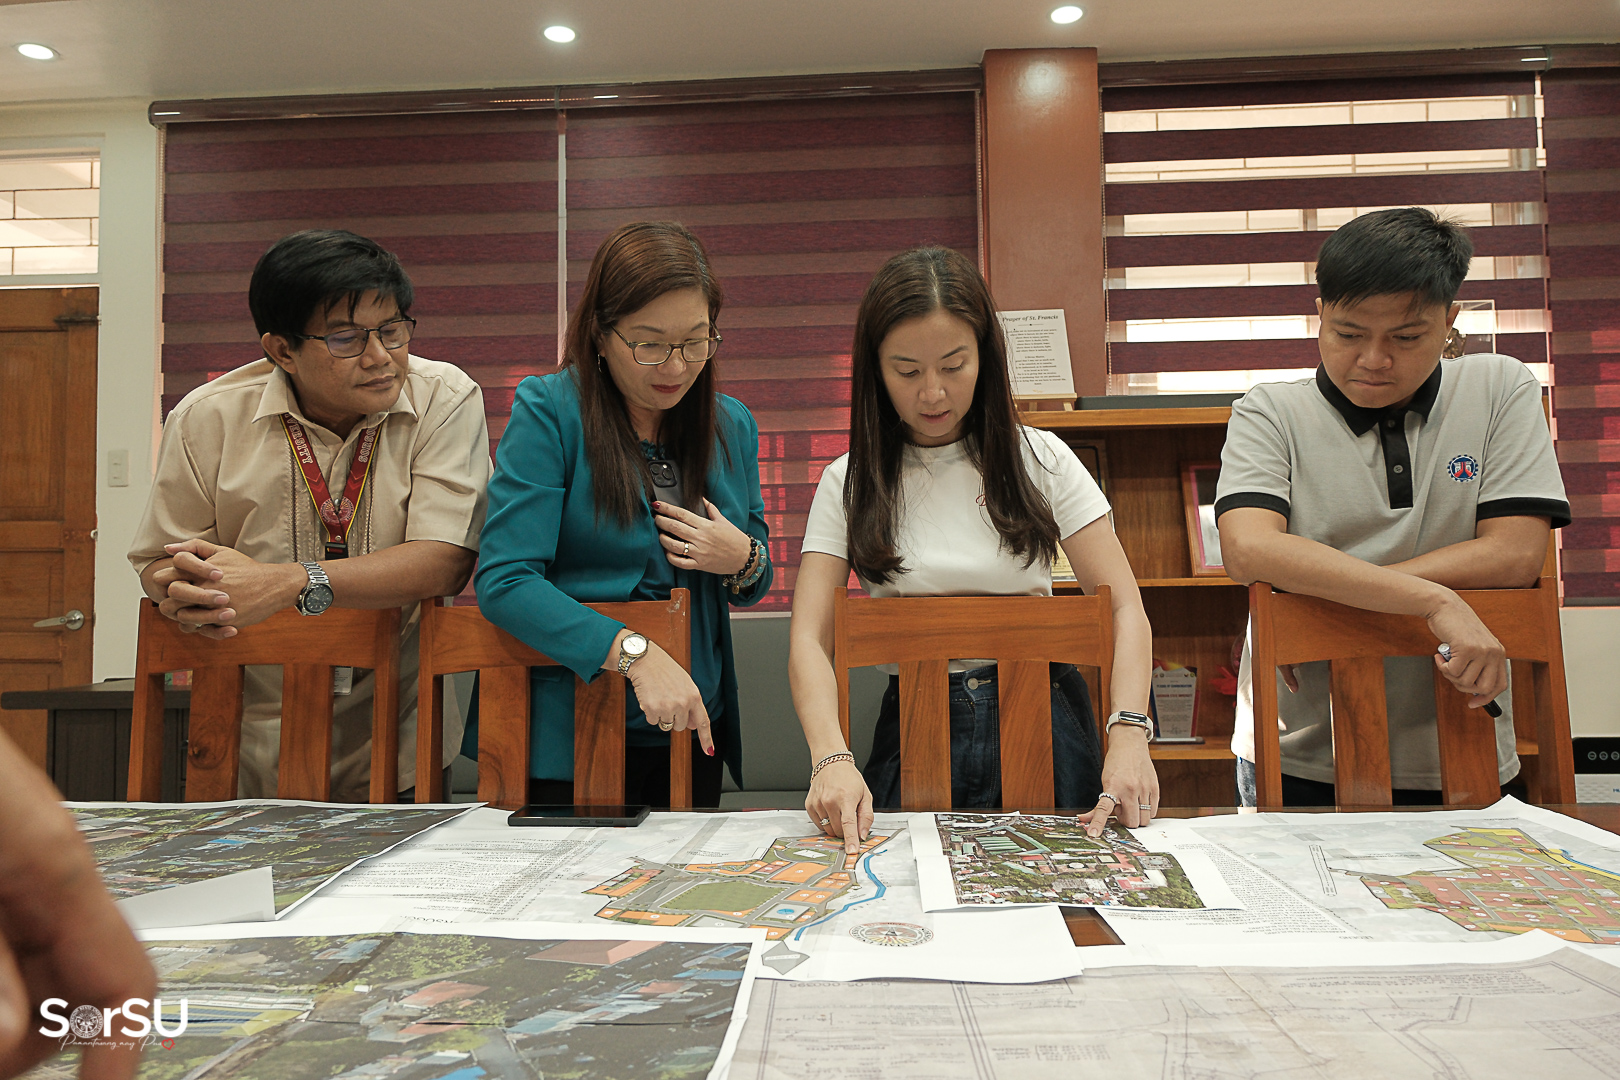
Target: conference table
x=799 y=1032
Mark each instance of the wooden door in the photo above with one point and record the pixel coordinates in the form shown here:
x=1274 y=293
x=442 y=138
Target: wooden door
x=47 y=495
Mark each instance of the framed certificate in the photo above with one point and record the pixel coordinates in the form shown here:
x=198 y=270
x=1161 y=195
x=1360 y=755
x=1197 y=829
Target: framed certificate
x=1198 y=481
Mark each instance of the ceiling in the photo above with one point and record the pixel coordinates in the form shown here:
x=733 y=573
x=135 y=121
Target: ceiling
x=233 y=48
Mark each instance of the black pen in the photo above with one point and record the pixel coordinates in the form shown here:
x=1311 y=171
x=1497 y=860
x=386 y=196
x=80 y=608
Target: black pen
x=1491 y=707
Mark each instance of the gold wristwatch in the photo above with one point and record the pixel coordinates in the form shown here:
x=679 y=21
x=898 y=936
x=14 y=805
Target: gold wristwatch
x=631 y=649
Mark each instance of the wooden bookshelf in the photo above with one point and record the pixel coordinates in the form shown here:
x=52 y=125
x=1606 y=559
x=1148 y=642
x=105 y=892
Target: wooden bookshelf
x=1195 y=619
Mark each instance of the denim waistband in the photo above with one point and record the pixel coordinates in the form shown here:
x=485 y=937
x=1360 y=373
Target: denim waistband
x=987 y=674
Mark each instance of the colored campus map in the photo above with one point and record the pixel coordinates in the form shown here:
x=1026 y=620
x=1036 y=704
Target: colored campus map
x=1045 y=859
x=140 y=848
x=1512 y=884
x=796 y=882
x=439 y=1007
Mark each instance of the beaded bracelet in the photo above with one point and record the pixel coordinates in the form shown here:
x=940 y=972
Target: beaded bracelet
x=831 y=759
x=752 y=570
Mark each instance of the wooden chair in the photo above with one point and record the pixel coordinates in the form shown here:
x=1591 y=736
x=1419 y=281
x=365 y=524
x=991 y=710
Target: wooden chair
x=456 y=639
x=1292 y=629
x=306 y=649
x=1022 y=633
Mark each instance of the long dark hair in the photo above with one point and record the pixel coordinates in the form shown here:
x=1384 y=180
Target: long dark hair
x=634 y=266
x=912 y=284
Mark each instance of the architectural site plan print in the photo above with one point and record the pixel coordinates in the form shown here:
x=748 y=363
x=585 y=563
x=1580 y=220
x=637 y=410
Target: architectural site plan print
x=1507 y=881
x=799 y=880
x=1031 y=859
x=824 y=913
x=995 y=860
x=140 y=848
x=1552 y=1015
x=1459 y=876
x=438 y=1007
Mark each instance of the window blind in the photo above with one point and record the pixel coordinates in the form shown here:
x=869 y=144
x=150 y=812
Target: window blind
x=798 y=202
x=1583 y=241
x=468 y=202
x=1219 y=196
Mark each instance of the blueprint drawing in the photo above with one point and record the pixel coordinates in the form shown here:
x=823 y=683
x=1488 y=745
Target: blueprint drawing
x=1558 y=1014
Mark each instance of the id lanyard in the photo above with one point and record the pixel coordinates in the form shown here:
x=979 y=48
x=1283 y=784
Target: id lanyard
x=338 y=518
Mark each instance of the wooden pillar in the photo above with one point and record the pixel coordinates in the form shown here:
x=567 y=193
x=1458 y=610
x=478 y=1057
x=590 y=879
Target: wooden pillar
x=1043 y=195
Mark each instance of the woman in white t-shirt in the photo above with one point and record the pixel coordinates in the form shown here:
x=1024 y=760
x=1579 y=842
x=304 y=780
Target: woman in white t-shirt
x=944 y=493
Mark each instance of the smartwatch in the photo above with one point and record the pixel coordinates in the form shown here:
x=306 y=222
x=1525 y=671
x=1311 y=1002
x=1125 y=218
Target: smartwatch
x=316 y=597
x=631 y=649
x=1130 y=719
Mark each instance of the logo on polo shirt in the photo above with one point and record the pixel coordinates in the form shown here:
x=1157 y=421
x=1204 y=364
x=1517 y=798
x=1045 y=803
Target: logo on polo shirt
x=1462 y=468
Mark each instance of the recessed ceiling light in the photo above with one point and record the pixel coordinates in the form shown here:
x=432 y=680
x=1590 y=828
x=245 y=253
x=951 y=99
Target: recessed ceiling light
x=1066 y=14
x=37 y=52
x=562 y=35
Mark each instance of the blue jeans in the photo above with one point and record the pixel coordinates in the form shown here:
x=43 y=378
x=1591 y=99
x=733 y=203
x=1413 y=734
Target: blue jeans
x=1297 y=791
x=976 y=742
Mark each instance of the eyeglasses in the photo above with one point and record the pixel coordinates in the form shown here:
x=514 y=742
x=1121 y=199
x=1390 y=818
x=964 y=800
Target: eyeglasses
x=654 y=353
x=347 y=344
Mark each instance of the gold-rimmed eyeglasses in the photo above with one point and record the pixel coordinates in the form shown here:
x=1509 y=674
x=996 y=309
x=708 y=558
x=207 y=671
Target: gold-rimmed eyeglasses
x=654 y=353
x=347 y=344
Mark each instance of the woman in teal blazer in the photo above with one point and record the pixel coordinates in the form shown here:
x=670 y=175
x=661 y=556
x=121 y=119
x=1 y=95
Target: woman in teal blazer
x=621 y=477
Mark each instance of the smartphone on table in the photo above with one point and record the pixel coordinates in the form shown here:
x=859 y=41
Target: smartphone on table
x=574 y=817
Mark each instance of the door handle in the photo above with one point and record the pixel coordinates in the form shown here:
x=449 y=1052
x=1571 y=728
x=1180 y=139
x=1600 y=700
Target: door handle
x=73 y=620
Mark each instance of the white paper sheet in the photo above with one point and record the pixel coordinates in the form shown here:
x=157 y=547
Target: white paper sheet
x=975 y=861
x=246 y=896
x=1038 y=353
x=459 y=999
x=1524 y=1013
x=141 y=848
x=827 y=916
x=1464 y=876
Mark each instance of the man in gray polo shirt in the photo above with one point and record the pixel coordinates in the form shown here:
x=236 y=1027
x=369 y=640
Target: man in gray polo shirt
x=1386 y=482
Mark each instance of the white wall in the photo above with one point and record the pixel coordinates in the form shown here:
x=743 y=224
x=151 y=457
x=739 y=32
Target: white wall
x=127 y=383
x=1591 y=642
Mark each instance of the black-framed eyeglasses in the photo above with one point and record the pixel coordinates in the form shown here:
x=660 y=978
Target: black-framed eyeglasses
x=654 y=353
x=347 y=344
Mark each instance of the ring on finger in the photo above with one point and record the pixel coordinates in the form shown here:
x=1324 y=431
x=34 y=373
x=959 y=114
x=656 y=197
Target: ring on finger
x=826 y=821
x=686 y=549
x=666 y=725
x=1143 y=806
x=1109 y=797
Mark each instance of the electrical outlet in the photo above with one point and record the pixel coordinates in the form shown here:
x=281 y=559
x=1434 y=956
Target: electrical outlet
x=118 y=468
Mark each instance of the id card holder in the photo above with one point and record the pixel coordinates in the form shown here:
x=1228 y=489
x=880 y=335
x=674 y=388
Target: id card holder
x=342 y=681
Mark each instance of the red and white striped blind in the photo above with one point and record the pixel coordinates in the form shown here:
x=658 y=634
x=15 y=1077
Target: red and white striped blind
x=1583 y=241
x=1219 y=196
x=798 y=203
x=468 y=202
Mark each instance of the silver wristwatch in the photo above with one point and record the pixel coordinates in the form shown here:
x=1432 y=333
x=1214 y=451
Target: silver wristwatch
x=631 y=649
x=1130 y=719
x=316 y=597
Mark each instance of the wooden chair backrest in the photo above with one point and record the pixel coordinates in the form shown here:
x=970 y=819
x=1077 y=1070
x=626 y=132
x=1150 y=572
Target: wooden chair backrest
x=1294 y=629
x=456 y=639
x=306 y=649
x=1022 y=633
